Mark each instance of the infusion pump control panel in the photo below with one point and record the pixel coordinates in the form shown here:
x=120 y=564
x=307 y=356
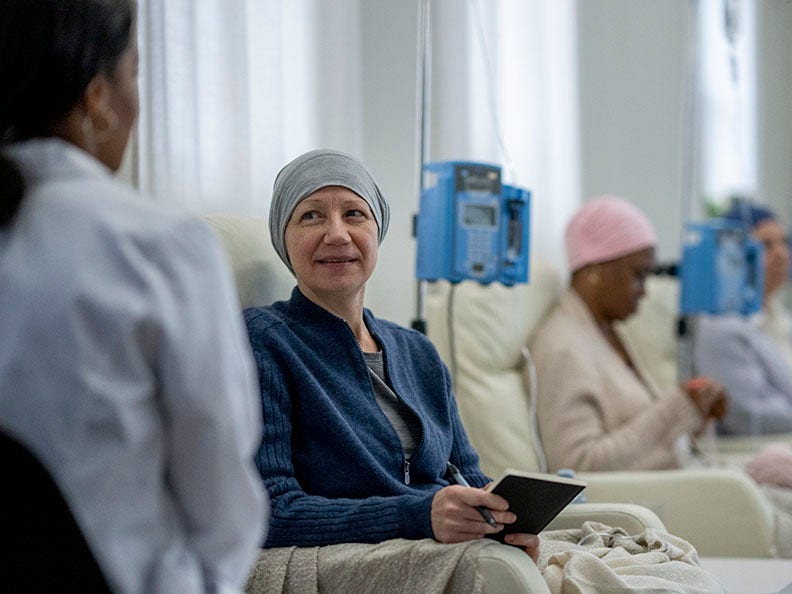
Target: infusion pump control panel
x=471 y=226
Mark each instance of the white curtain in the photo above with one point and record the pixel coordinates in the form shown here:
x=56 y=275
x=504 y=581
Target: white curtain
x=505 y=79
x=232 y=89
x=539 y=102
x=727 y=75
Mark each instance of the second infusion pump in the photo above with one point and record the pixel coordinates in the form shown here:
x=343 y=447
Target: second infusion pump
x=471 y=226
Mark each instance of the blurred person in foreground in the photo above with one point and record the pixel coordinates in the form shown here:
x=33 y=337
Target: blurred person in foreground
x=123 y=366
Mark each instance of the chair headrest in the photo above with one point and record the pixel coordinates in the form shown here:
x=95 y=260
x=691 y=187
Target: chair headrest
x=260 y=276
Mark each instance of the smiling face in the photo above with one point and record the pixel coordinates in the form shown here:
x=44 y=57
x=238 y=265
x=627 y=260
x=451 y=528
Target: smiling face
x=331 y=241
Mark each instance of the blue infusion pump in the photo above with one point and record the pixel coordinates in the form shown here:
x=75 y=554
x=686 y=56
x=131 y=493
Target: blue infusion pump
x=471 y=226
x=722 y=269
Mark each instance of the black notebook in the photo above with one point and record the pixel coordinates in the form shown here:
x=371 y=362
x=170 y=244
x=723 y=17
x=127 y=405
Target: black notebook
x=536 y=498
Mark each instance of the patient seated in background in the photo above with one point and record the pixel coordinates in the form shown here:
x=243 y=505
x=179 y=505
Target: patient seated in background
x=596 y=406
x=752 y=355
x=597 y=409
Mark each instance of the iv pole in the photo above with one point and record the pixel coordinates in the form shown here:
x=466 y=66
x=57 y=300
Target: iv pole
x=686 y=324
x=422 y=131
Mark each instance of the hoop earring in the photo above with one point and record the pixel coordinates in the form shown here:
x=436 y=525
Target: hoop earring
x=94 y=136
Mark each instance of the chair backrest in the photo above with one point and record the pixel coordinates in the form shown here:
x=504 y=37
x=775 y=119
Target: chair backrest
x=651 y=332
x=480 y=332
x=44 y=549
x=261 y=278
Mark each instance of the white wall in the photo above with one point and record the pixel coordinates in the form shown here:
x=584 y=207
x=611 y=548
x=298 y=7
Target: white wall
x=631 y=65
x=389 y=45
x=775 y=104
x=632 y=75
x=631 y=68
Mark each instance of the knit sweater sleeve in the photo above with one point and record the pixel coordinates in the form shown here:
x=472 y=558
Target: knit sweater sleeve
x=302 y=519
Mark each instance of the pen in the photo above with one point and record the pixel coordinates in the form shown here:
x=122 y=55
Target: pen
x=460 y=480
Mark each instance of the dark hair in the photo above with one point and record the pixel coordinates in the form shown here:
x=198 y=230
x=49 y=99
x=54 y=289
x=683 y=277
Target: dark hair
x=749 y=213
x=49 y=51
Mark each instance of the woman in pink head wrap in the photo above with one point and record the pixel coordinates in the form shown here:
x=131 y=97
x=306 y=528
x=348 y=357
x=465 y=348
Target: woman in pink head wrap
x=597 y=409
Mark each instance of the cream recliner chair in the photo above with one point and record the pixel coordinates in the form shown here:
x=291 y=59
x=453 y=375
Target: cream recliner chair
x=262 y=278
x=719 y=510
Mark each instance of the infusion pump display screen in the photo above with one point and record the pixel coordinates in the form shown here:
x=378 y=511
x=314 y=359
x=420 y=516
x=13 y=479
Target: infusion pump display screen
x=476 y=215
x=482 y=179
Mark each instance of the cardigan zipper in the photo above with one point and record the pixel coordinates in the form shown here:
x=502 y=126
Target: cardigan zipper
x=406 y=465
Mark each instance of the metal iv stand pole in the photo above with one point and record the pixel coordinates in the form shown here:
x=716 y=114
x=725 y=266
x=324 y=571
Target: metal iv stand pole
x=686 y=323
x=422 y=131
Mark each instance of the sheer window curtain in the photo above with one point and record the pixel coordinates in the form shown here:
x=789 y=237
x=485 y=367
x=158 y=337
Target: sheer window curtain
x=539 y=100
x=727 y=82
x=505 y=91
x=232 y=89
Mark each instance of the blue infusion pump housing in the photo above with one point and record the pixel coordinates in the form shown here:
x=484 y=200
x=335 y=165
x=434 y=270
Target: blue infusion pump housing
x=471 y=226
x=722 y=269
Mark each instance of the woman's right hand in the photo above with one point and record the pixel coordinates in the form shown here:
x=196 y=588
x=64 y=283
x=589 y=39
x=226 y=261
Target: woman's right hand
x=455 y=518
x=709 y=397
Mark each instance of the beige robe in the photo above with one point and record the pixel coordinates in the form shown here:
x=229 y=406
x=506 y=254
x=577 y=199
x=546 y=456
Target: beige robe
x=594 y=411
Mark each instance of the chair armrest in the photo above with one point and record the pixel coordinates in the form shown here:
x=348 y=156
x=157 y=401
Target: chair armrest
x=721 y=511
x=633 y=518
x=743 y=443
x=738 y=450
x=509 y=569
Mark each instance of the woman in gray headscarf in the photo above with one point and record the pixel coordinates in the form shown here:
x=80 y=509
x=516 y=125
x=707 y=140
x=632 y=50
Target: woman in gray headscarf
x=359 y=417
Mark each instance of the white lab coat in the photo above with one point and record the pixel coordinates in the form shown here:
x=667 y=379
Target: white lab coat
x=125 y=368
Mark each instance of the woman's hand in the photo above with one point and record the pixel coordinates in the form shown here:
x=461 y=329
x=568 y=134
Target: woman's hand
x=709 y=397
x=456 y=519
x=529 y=543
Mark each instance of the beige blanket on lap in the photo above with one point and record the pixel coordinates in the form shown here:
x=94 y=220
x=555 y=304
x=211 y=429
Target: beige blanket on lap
x=599 y=558
x=397 y=565
x=592 y=559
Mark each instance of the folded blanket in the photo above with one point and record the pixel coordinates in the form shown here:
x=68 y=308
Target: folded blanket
x=599 y=558
x=397 y=565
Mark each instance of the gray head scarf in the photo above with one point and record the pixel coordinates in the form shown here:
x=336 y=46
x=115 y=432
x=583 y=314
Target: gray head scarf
x=315 y=170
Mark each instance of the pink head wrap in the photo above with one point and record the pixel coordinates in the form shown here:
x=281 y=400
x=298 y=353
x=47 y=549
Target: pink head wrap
x=604 y=229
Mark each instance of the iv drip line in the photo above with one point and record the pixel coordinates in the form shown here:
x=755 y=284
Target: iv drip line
x=508 y=163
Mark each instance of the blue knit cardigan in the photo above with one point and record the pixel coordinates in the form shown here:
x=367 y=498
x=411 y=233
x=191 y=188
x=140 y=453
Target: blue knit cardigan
x=331 y=461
